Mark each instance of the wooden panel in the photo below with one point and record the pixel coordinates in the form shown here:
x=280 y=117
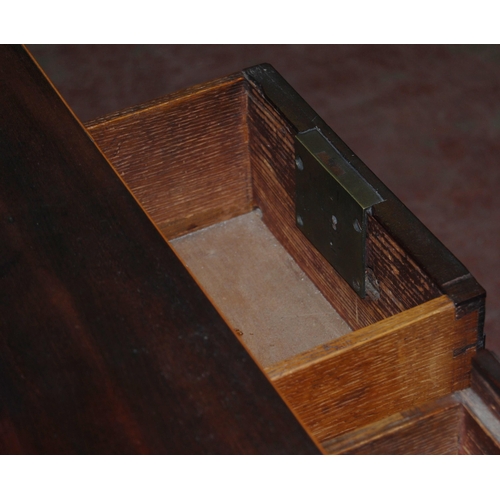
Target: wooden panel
x=216 y=144
x=107 y=343
x=474 y=440
x=460 y=423
x=400 y=282
x=431 y=256
x=485 y=379
x=372 y=373
x=480 y=429
x=432 y=429
x=185 y=156
x=260 y=290
x=398 y=279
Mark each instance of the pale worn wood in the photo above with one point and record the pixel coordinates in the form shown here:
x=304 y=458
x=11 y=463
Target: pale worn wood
x=261 y=291
x=364 y=376
x=431 y=429
x=480 y=433
x=400 y=282
x=485 y=379
x=185 y=156
x=474 y=439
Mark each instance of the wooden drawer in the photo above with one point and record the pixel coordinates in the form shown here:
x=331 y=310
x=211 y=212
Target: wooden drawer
x=215 y=170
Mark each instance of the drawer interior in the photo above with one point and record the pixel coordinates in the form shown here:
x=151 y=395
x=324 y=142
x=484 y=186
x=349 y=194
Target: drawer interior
x=220 y=150
x=264 y=295
x=214 y=167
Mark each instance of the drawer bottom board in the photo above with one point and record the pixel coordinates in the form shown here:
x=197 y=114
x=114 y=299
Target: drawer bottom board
x=259 y=289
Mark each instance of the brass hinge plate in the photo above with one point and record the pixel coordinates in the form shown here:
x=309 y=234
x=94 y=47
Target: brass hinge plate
x=332 y=203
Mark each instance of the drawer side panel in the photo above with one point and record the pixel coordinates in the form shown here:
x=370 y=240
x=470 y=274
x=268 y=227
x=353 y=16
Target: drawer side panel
x=400 y=284
x=396 y=364
x=185 y=157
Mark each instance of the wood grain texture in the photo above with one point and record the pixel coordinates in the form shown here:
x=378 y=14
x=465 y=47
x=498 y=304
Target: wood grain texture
x=213 y=139
x=107 y=345
x=372 y=373
x=396 y=276
x=431 y=429
x=408 y=233
x=474 y=440
x=459 y=423
x=407 y=267
x=485 y=379
x=185 y=156
x=480 y=427
x=400 y=282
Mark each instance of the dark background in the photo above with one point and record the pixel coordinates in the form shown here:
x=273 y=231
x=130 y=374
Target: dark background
x=425 y=119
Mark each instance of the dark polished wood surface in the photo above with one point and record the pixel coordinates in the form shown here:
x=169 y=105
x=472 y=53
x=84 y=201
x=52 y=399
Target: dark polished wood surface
x=107 y=345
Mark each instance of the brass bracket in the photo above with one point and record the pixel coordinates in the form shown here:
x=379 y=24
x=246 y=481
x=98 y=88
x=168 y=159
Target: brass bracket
x=331 y=206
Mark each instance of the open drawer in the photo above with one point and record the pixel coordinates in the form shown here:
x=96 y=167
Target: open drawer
x=217 y=168
x=197 y=304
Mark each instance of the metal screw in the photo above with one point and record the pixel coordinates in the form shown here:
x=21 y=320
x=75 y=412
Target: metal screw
x=334 y=222
x=299 y=163
x=300 y=222
x=357 y=226
x=356 y=284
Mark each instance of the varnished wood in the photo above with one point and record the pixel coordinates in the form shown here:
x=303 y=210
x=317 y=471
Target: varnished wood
x=485 y=379
x=474 y=440
x=372 y=373
x=431 y=429
x=480 y=427
x=267 y=155
x=107 y=345
x=129 y=355
x=456 y=424
x=261 y=141
x=403 y=277
x=185 y=156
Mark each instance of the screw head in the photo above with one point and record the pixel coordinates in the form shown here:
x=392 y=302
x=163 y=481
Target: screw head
x=357 y=226
x=356 y=284
x=334 y=222
x=300 y=222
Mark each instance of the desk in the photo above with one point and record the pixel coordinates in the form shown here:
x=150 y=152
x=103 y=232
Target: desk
x=108 y=343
